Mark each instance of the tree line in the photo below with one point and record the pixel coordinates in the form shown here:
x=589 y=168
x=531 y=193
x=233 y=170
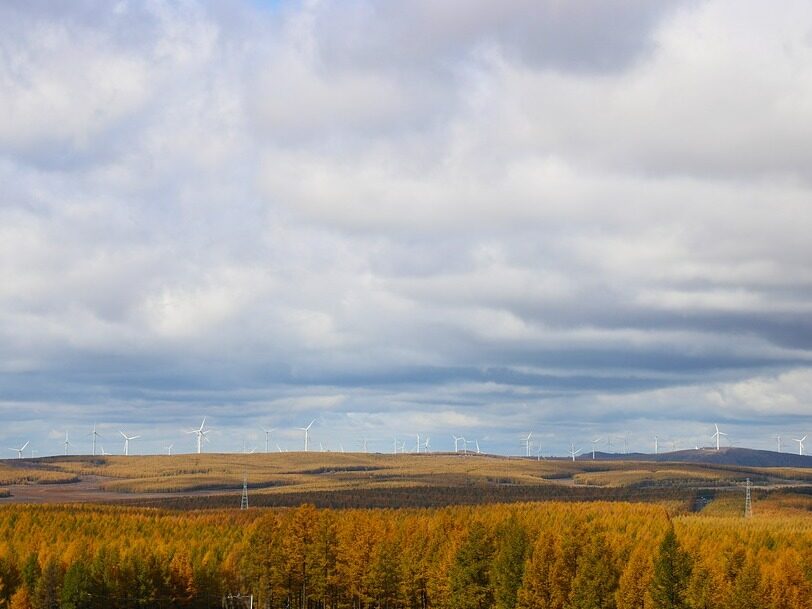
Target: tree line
x=517 y=556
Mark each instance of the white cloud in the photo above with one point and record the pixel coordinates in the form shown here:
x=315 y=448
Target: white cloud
x=416 y=209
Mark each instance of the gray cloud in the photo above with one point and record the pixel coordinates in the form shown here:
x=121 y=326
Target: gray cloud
x=405 y=217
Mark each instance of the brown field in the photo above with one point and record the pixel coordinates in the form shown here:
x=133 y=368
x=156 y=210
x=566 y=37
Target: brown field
x=367 y=480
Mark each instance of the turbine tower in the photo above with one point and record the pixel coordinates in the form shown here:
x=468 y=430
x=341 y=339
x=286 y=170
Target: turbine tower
x=778 y=437
x=169 y=449
x=594 y=442
x=20 y=450
x=127 y=442
x=67 y=443
x=800 y=444
x=95 y=434
x=574 y=452
x=201 y=435
x=718 y=435
x=267 y=435
x=307 y=433
x=656 y=445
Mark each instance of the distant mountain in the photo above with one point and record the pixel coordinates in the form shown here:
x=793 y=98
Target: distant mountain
x=745 y=457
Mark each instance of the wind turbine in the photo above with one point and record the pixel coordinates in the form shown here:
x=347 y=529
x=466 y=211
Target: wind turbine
x=800 y=444
x=526 y=442
x=656 y=445
x=307 y=432
x=201 y=435
x=417 y=445
x=594 y=442
x=574 y=452
x=67 y=443
x=778 y=437
x=456 y=443
x=476 y=442
x=718 y=435
x=95 y=435
x=169 y=449
x=427 y=445
x=20 y=450
x=127 y=442
x=267 y=435
x=104 y=452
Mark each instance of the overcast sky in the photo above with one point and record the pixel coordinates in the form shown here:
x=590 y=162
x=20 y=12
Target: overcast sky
x=472 y=217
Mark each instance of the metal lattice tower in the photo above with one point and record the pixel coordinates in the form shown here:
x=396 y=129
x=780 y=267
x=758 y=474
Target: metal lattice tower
x=748 y=504
x=244 y=501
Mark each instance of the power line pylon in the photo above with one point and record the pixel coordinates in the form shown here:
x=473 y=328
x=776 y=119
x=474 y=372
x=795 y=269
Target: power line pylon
x=748 y=504
x=244 y=501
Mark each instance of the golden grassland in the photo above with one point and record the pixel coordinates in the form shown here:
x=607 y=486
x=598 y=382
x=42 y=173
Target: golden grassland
x=30 y=473
x=678 y=475
x=305 y=472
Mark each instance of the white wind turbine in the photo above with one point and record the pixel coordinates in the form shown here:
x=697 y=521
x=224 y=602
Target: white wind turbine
x=574 y=452
x=594 y=443
x=169 y=449
x=656 y=445
x=200 y=434
x=307 y=433
x=718 y=435
x=20 y=450
x=67 y=443
x=526 y=442
x=268 y=433
x=127 y=442
x=95 y=435
x=427 y=445
x=778 y=437
x=800 y=444
x=457 y=442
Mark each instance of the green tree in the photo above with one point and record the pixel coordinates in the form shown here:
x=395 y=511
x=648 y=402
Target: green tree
x=470 y=573
x=76 y=587
x=47 y=592
x=595 y=579
x=507 y=569
x=31 y=571
x=672 y=570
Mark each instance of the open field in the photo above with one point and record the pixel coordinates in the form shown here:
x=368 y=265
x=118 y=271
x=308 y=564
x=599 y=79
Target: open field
x=375 y=480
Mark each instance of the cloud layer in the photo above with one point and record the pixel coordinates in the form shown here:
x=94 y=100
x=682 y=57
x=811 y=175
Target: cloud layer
x=406 y=217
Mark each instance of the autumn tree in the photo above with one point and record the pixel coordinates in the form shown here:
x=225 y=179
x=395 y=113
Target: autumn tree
x=21 y=599
x=537 y=590
x=633 y=587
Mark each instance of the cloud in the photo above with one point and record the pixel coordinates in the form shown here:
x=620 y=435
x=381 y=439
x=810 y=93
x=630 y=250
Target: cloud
x=405 y=218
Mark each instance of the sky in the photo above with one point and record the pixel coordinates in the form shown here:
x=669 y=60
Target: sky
x=466 y=217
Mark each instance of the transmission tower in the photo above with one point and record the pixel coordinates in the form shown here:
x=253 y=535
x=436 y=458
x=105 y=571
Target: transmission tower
x=244 y=501
x=748 y=505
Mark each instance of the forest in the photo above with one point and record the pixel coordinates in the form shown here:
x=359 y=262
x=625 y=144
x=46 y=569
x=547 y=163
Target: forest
x=516 y=556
